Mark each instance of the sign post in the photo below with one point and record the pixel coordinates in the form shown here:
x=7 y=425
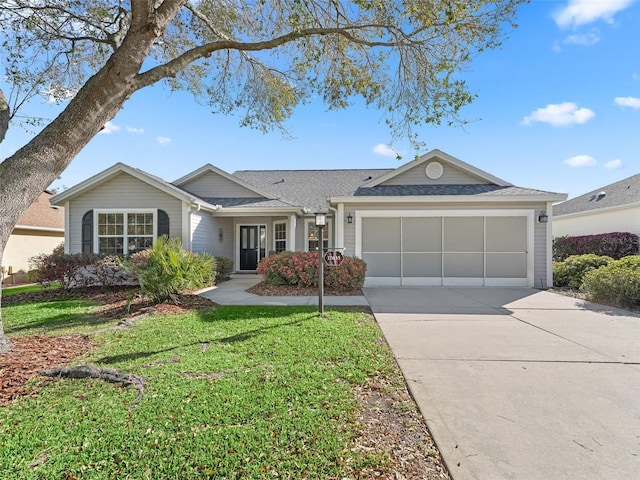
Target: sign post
x=320 y=223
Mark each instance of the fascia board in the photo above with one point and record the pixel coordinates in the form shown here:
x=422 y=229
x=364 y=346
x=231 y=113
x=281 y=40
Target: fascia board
x=451 y=199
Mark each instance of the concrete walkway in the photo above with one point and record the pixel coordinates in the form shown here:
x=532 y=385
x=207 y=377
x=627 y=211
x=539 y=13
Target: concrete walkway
x=519 y=383
x=233 y=292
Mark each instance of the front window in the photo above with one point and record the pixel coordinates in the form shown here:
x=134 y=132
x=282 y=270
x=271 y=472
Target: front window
x=124 y=233
x=280 y=236
x=312 y=237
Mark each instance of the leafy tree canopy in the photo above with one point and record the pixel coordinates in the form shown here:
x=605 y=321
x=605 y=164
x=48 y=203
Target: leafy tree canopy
x=255 y=58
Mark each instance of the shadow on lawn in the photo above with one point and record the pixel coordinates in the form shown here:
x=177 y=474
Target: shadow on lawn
x=236 y=338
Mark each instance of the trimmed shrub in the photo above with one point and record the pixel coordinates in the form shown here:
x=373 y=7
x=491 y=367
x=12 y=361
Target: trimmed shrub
x=79 y=270
x=224 y=268
x=301 y=269
x=167 y=270
x=615 y=245
x=616 y=284
x=571 y=272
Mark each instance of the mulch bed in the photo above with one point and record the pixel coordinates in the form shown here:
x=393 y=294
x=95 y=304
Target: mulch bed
x=284 y=290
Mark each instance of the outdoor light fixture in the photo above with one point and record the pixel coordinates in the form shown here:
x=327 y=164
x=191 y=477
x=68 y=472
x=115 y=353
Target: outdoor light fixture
x=220 y=234
x=349 y=218
x=321 y=219
x=543 y=217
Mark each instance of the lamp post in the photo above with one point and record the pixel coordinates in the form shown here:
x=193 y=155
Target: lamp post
x=321 y=221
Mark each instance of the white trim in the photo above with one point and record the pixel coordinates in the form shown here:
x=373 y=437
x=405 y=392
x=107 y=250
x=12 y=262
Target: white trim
x=549 y=246
x=291 y=238
x=273 y=234
x=67 y=233
x=439 y=199
x=328 y=228
x=124 y=211
x=451 y=281
x=186 y=226
x=236 y=242
x=446 y=158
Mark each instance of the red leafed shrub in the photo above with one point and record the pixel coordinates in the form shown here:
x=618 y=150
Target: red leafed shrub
x=301 y=269
x=615 y=245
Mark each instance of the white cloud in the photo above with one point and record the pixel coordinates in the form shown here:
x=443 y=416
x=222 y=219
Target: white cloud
x=163 y=140
x=585 y=40
x=617 y=163
x=109 y=127
x=560 y=114
x=581 y=161
x=134 y=129
x=583 y=12
x=631 y=102
x=384 y=150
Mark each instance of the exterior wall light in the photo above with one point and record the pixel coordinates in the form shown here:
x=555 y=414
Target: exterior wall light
x=349 y=218
x=543 y=217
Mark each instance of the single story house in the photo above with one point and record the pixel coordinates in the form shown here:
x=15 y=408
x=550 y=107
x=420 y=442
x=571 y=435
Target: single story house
x=39 y=230
x=612 y=208
x=435 y=220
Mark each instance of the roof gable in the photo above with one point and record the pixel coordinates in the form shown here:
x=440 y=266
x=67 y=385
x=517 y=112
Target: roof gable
x=437 y=168
x=619 y=194
x=116 y=170
x=210 y=181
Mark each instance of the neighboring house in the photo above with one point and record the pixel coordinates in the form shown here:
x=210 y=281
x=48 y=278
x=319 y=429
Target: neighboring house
x=613 y=208
x=433 y=221
x=39 y=230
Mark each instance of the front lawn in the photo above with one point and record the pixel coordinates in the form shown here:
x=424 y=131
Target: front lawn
x=230 y=392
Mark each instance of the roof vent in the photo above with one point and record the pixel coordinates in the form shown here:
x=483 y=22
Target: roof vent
x=601 y=195
x=279 y=181
x=593 y=197
x=368 y=178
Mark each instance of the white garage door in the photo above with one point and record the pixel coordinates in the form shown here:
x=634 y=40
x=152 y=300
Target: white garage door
x=465 y=249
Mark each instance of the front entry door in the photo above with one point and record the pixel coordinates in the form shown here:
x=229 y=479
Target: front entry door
x=249 y=245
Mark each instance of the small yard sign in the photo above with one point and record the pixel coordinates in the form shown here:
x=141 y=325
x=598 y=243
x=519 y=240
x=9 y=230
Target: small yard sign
x=333 y=258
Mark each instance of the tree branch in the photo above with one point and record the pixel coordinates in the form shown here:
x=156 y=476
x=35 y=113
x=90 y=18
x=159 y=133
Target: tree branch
x=5 y=116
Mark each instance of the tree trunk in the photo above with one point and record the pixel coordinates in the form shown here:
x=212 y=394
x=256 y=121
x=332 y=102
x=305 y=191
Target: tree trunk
x=30 y=170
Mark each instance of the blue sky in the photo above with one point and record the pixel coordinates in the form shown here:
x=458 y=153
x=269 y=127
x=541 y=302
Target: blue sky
x=558 y=109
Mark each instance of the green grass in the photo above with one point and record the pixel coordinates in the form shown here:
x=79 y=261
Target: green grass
x=25 y=289
x=232 y=392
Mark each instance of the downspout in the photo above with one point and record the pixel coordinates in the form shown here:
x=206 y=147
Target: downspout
x=338 y=232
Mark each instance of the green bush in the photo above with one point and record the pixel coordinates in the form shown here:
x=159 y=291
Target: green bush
x=301 y=269
x=570 y=272
x=617 y=283
x=167 y=270
x=224 y=268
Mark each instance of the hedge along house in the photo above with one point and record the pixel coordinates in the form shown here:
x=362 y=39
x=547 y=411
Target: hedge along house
x=433 y=221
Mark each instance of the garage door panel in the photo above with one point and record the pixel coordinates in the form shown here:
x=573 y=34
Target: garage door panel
x=421 y=264
x=463 y=234
x=422 y=234
x=506 y=234
x=381 y=235
x=506 y=265
x=463 y=265
x=382 y=264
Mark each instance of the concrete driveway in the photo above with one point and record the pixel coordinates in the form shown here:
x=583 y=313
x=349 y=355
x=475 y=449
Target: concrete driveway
x=519 y=383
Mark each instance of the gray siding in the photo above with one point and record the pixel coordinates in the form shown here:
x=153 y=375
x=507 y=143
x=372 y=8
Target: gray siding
x=202 y=232
x=210 y=184
x=122 y=192
x=450 y=176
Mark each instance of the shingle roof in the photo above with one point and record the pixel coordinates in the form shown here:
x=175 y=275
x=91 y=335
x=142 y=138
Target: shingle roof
x=617 y=194
x=41 y=214
x=416 y=190
x=309 y=188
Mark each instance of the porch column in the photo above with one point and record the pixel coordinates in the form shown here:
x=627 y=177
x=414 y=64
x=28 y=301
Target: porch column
x=549 y=245
x=339 y=227
x=291 y=233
